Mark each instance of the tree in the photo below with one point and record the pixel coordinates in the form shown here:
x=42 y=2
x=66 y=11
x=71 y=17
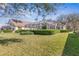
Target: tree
x=62 y=22
x=41 y=9
x=71 y=21
x=20 y=9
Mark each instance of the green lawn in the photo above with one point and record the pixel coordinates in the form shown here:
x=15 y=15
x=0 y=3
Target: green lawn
x=72 y=45
x=39 y=45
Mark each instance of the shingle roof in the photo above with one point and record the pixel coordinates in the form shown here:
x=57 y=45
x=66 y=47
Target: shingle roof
x=18 y=23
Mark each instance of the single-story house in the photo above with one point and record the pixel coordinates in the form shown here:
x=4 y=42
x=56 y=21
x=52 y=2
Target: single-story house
x=19 y=24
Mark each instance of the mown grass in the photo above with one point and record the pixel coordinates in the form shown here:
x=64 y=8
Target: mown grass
x=32 y=45
x=72 y=45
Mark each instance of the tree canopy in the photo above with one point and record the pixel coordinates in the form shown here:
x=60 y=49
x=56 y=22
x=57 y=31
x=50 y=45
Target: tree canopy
x=42 y=9
x=70 y=20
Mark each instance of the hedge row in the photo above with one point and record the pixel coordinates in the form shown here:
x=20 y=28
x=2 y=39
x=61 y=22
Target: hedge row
x=55 y=31
x=62 y=31
x=6 y=31
x=38 y=32
x=26 y=33
x=43 y=32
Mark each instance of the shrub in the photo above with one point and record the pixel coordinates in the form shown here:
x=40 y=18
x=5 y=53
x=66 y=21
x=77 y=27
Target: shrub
x=26 y=33
x=64 y=31
x=44 y=27
x=42 y=32
x=7 y=31
x=18 y=31
x=55 y=31
x=38 y=32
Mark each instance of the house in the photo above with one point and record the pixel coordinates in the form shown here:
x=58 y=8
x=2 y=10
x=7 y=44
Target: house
x=0 y=26
x=54 y=25
x=17 y=24
x=26 y=25
x=4 y=26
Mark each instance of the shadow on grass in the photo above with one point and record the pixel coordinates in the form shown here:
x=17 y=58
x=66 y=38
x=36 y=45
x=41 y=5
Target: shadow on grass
x=72 y=45
x=9 y=41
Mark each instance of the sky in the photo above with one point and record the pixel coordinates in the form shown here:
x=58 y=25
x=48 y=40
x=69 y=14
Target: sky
x=64 y=9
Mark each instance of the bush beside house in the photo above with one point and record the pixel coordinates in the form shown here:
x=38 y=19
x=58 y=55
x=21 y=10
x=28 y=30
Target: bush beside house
x=55 y=31
x=26 y=33
x=38 y=32
x=18 y=31
x=62 y=31
x=7 y=31
x=43 y=32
